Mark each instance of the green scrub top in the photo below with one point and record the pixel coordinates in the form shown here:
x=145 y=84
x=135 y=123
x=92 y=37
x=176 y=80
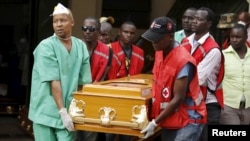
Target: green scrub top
x=52 y=61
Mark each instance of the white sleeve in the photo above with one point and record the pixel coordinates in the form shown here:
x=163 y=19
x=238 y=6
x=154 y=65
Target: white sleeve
x=211 y=61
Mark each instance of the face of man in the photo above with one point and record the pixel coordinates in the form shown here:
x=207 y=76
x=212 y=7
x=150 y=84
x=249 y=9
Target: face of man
x=164 y=43
x=62 y=25
x=90 y=31
x=127 y=34
x=225 y=32
x=200 y=24
x=105 y=33
x=187 y=19
x=237 y=38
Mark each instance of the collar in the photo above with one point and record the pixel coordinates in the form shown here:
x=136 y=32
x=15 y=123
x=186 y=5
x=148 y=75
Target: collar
x=201 y=40
x=182 y=32
x=231 y=49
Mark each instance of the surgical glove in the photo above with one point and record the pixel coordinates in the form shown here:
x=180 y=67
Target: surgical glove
x=66 y=119
x=149 y=130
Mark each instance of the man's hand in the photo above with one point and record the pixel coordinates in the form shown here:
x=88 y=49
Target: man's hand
x=66 y=119
x=149 y=130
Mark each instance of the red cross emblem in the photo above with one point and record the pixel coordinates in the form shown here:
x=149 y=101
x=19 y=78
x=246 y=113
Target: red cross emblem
x=165 y=92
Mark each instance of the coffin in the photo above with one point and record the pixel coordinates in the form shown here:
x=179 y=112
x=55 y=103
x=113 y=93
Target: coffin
x=118 y=106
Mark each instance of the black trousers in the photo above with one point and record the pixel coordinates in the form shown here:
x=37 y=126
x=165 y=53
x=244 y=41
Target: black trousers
x=213 y=118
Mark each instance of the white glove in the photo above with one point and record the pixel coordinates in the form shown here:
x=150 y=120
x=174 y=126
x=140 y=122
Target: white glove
x=149 y=129
x=66 y=119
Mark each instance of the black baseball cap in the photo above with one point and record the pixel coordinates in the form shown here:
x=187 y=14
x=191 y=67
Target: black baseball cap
x=159 y=27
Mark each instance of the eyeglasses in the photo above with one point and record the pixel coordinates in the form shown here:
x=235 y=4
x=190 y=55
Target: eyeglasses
x=89 y=28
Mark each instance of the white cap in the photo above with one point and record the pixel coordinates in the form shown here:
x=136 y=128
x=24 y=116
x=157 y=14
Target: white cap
x=60 y=9
x=241 y=22
x=109 y=19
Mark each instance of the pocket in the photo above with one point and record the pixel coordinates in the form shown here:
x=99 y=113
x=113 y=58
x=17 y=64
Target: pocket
x=51 y=109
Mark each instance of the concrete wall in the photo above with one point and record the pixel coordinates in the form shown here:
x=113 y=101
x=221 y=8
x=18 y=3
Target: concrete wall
x=84 y=8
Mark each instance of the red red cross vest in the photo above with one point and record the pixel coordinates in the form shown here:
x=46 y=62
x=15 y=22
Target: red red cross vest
x=99 y=61
x=116 y=64
x=136 y=61
x=165 y=72
x=199 y=54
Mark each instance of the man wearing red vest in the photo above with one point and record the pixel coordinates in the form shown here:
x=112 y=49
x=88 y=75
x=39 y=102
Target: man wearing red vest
x=100 y=61
x=100 y=53
x=105 y=37
x=178 y=106
x=128 y=59
x=130 y=55
x=210 y=63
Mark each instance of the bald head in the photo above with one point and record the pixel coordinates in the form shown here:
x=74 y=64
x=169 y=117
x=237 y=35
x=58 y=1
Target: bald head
x=105 y=32
x=105 y=26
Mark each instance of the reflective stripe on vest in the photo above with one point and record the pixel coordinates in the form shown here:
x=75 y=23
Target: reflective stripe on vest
x=199 y=98
x=138 y=56
x=203 y=52
x=117 y=60
x=163 y=105
x=101 y=54
x=197 y=101
x=120 y=53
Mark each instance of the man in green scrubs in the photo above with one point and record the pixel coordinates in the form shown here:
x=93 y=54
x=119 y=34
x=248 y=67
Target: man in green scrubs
x=61 y=65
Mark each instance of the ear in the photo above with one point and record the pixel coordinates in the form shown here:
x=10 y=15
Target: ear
x=72 y=23
x=209 y=24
